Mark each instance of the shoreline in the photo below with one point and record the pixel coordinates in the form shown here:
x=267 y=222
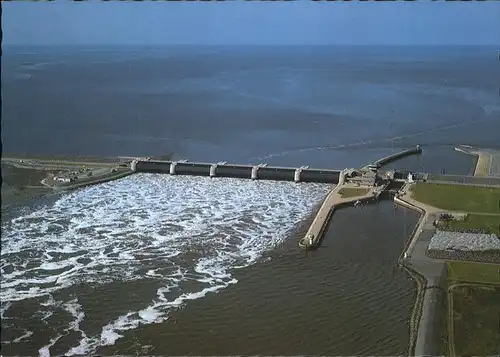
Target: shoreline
x=72 y=169
x=94 y=181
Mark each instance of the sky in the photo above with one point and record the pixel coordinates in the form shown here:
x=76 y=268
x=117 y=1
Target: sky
x=422 y=22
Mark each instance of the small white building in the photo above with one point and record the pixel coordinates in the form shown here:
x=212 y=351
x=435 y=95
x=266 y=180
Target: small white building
x=62 y=179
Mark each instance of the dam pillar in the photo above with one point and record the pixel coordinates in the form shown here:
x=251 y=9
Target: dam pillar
x=213 y=168
x=254 y=175
x=172 y=168
x=133 y=165
x=296 y=175
x=255 y=169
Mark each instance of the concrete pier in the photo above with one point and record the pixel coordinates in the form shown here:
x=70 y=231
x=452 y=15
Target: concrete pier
x=332 y=202
x=223 y=169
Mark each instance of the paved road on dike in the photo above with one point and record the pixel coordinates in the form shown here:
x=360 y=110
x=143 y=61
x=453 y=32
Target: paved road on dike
x=465 y=179
x=494 y=169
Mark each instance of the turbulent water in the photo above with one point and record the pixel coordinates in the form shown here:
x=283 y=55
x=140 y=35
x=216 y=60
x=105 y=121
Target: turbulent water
x=185 y=234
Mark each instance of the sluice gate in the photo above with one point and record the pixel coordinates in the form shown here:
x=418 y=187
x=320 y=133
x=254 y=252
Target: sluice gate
x=223 y=169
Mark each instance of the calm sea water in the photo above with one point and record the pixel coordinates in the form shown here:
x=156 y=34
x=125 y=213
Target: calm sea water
x=177 y=265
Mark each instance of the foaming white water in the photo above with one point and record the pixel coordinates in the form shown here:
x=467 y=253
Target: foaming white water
x=171 y=229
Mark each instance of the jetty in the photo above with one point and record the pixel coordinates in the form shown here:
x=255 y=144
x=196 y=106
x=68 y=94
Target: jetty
x=354 y=188
x=393 y=157
x=333 y=201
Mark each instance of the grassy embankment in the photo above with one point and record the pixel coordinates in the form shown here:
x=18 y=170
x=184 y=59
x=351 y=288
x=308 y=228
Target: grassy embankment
x=482 y=204
x=347 y=192
x=473 y=309
x=471 y=272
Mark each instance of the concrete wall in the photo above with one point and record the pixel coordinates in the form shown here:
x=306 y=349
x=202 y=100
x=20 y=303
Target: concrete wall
x=192 y=169
x=268 y=173
x=234 y=171
x=239 y=171
x=153 y=166
x=321 y=176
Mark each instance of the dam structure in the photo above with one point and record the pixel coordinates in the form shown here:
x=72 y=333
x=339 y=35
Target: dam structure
x=256 y=172
x=223 y=169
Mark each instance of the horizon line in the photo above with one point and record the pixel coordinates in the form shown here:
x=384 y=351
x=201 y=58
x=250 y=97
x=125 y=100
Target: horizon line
x=254 y=44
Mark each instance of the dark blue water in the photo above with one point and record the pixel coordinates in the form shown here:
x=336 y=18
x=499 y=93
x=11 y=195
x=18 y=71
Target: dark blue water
x=319 y=106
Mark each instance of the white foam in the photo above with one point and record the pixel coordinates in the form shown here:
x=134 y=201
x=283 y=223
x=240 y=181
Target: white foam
x=169 y=228
x=24 y=336
x=45 y=350
x=5 y=305
x=150 y=314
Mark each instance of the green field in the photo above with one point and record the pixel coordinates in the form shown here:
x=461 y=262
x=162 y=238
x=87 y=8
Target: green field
x=476 y=314
x=458 y=197
x=489 y=223
x=474 y=309
x=472 y=272
x=347 y=192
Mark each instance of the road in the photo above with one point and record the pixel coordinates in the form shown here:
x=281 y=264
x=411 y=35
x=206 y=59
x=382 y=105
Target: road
x=494 y=167
x=464 y=179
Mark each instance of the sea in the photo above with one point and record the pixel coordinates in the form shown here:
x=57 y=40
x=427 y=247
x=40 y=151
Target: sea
x=155 y=264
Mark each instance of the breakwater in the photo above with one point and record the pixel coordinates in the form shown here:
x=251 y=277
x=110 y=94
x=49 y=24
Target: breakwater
x=393 y=157
x=223 y=169
x=333 y=201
